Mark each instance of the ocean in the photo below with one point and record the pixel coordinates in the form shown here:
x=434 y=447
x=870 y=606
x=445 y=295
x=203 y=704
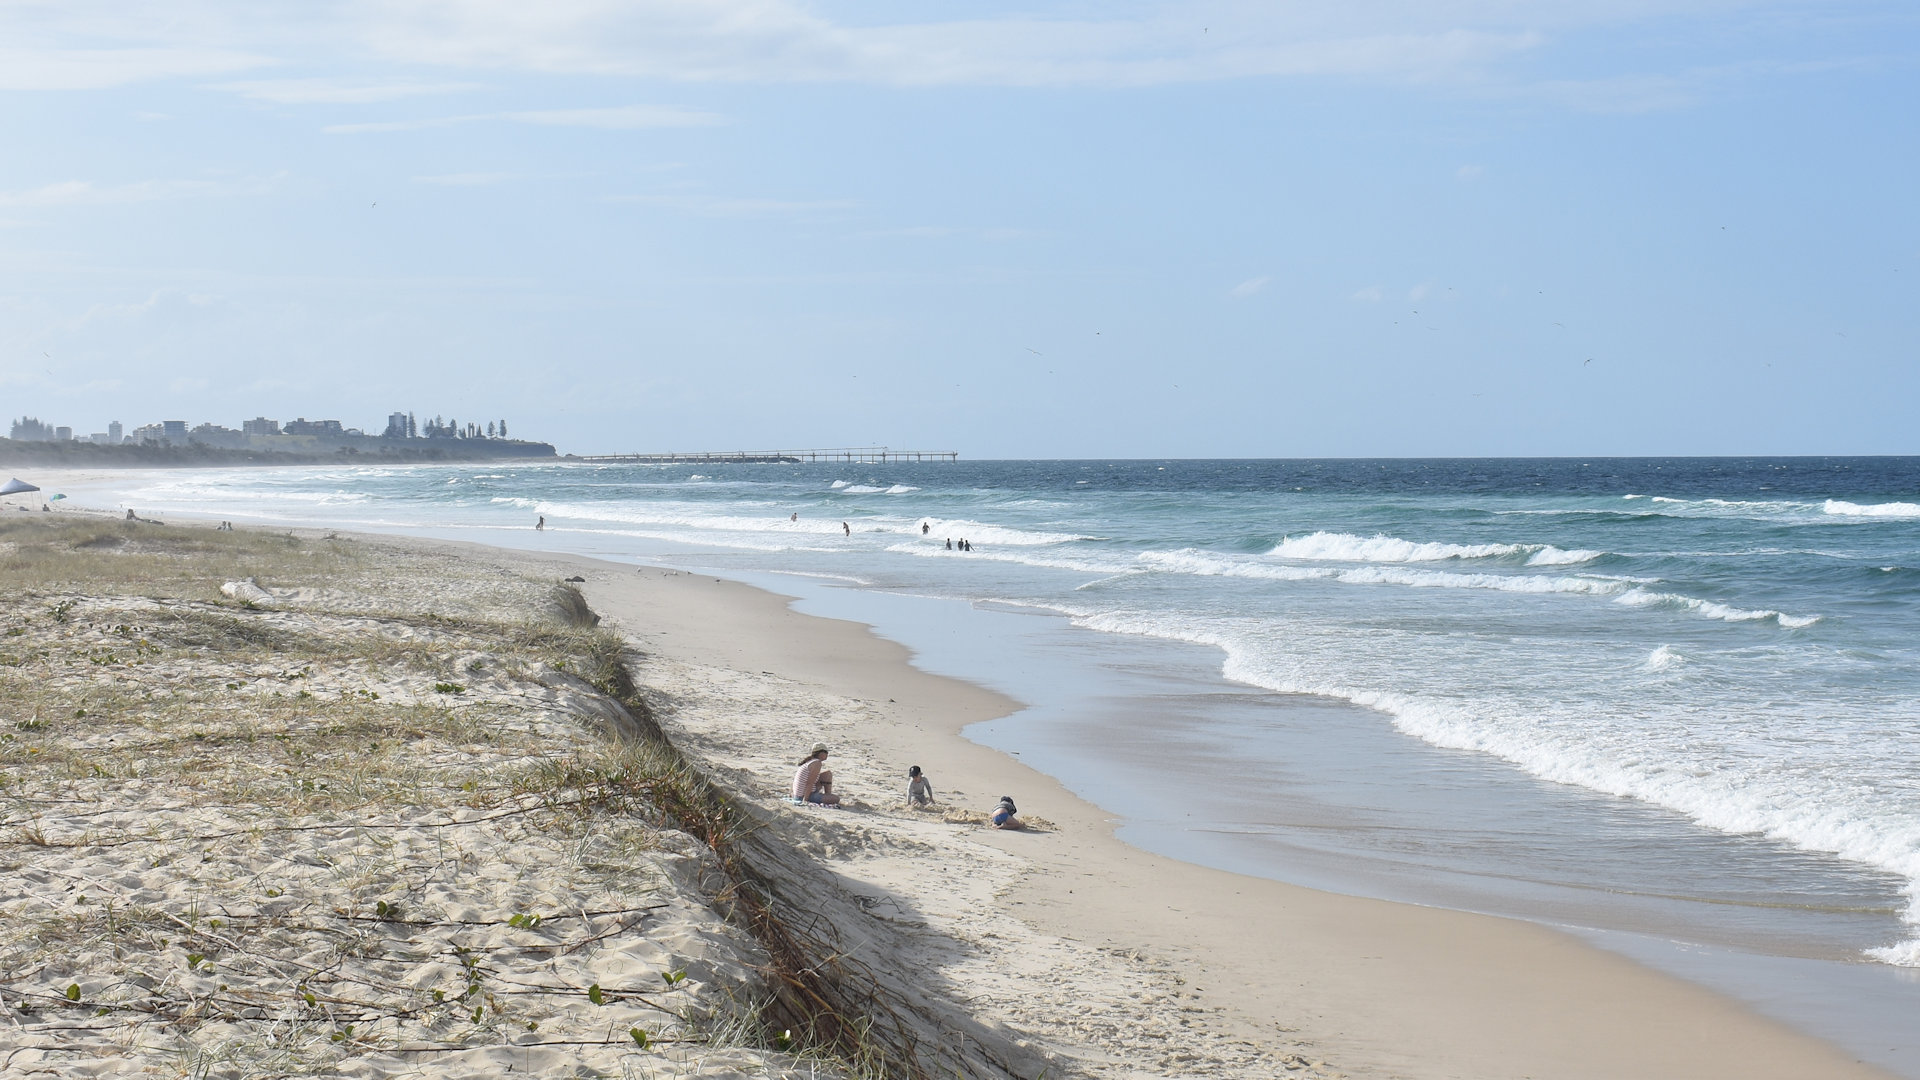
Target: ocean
x=1666 y=697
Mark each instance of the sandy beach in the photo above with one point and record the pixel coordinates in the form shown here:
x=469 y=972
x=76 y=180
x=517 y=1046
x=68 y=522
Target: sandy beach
x=1057 y=950
x=1162 y=966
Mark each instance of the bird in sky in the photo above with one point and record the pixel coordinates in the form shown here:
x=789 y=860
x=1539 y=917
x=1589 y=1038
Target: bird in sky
x=1587 y=361
x=1033 y=350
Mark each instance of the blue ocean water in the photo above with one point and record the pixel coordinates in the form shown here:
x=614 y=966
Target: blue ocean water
x=1724 y=647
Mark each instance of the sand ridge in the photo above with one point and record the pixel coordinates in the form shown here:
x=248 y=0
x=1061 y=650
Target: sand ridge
x=343 y=833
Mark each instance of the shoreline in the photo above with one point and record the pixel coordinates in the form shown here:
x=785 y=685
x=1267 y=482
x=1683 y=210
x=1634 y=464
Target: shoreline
x=1424 y=1025
x=1375 y=987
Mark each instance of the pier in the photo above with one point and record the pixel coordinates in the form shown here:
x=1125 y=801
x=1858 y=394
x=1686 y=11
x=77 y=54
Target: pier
x=846 y=455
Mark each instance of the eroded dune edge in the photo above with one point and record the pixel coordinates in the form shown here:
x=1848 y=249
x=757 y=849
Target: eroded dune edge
x=376 y=809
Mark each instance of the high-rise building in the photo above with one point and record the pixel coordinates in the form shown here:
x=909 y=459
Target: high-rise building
x=176 y=432
x=260 y=425
x=115 y=432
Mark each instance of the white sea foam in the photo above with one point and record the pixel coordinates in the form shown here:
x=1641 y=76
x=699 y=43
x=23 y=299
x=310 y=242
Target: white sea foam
x=1842 y=508
x=1346 y=547
x=1904 y=954
x=1553 y=556
x=1664 y=658
x=868 y=489
x=1380 y=548
x=985 y=533
x=1637 y=597
x=1018 y=556
x=1664 y=758
x=1624 y=590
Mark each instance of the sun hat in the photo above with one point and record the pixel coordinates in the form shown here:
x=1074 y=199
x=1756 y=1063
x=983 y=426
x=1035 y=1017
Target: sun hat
x=819 y=748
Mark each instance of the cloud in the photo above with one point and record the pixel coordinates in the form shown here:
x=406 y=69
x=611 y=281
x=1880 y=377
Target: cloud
x=1622 y=93
x=618 y=118
x=1466 y=174
x=471 y=179
x=338 y=91
x=937 y=232
x=621 y=118
x=99 y=69
x=1370 y=295
x=1465 y=44
x=1248 y=287
x=376 y=126
x=785 y=41
x=721 y=206
x=88 y=193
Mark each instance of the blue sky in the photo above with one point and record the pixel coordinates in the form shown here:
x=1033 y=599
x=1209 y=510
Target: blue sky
x=1051 y=230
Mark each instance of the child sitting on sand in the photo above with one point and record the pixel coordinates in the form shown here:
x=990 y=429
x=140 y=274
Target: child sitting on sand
x=1003 y=814
x=812 y=782
x=919 y=789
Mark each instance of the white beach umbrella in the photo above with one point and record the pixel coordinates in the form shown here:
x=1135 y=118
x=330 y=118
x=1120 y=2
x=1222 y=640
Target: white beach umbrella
x=16 y=486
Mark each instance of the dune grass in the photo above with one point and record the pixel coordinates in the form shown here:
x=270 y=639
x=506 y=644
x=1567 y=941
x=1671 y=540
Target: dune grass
x=381 y=820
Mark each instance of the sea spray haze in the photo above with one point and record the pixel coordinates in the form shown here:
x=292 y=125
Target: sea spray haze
x=1734 y=640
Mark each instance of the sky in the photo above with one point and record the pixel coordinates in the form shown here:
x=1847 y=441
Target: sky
x=1055 y=229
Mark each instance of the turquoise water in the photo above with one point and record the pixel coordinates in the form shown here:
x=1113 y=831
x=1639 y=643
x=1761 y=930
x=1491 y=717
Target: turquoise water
x=1689 y=683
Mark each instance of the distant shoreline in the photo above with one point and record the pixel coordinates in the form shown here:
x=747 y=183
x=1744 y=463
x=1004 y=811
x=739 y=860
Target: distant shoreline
x=94 y=455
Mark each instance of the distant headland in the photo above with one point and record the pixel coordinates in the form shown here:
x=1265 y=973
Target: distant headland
x=261 y=441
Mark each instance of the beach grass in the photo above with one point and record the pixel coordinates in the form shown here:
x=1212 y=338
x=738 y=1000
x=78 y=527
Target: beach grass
x=410 y=810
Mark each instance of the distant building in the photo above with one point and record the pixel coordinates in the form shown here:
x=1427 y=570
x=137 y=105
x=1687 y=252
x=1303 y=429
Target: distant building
x=304 y=426
x=215 y=435
x=102 y=438
x=114 y=432
x=147 y=433
x=396 y=426
x=260 y=425
x=174 y=432
x=63 y=434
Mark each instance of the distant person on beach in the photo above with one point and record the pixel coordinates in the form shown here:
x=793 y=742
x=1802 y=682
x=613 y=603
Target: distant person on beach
x=812 y=781
x=925 y=528
x=130 y=516
x=919 y=788
x=541 y=524
x=847 y=527
x=1003 y=812
x=949 y=543
x=795 y=517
